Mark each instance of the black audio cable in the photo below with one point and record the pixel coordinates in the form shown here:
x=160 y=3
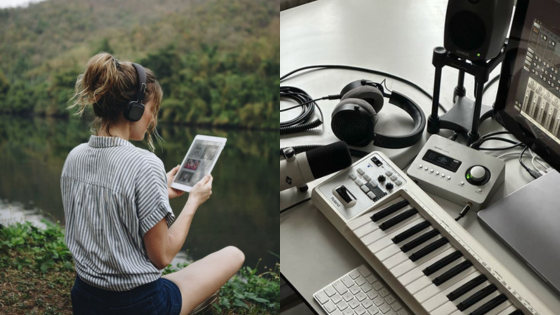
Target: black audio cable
x=303 y=121
x=531 y=172
x=366 y=70
x=464 y=211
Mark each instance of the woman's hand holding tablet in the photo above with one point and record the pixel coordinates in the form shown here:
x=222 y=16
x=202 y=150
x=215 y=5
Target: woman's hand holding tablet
x=198 y=162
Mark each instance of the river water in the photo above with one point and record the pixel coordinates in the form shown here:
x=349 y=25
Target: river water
x=243 y=209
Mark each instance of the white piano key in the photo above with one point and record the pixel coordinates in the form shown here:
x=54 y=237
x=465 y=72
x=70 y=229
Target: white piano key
x=359 y=222
x=386 y=252
x=417 y=273
x=377 y=233
x=418 y=285
x=366 y=229
x=510 y=309
x=441 y=296
x=395 y=260
x=444 y=309
x=433 y=289
x=408 y=265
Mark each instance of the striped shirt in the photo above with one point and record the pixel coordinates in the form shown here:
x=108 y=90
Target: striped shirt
x=113 y=193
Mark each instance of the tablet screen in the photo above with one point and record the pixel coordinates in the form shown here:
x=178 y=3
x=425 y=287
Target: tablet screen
x=198 y=162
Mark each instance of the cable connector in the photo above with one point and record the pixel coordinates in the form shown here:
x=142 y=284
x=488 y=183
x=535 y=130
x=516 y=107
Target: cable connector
x=464 y=211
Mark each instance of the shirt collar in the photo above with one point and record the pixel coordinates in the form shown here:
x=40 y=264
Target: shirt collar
x=105 y=142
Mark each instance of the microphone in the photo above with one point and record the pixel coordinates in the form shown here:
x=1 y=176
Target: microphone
x=298 y=170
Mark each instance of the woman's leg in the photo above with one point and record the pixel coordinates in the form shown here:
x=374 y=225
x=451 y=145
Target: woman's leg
x=202 y=278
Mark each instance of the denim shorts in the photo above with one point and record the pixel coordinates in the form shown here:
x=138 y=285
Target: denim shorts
x=159 y=297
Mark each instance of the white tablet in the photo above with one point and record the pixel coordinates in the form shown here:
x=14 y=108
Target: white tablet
x=198 y=162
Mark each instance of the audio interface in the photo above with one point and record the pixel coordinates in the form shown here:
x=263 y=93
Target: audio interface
x=456 y=172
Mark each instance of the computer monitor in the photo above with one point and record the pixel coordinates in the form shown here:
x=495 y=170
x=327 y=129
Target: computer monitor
x=528 y=99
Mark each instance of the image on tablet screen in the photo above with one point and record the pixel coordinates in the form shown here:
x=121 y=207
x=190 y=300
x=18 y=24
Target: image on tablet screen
x=192 y=164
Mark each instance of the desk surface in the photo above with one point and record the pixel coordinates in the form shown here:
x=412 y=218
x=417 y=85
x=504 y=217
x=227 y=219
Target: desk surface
x=397 y=37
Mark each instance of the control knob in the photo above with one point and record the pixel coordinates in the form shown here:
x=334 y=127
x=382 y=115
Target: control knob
x=478 y=175
x=381 y=178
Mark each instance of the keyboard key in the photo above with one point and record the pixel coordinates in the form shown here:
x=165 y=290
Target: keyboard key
x=354 y=289
x=476 y=297
x=336 y=298
x=330 y=291
x=452 y=272
x=371 y=279
x=352 y=176
x=419 y=240
x=367 y=303
x=354 y=274
x=367 y=178
x=348 y=311
x=322 y=297
x=347 y=296
x=360 y=171
x=397 y=219
x=408 y=233
x=383 y=292
x=371 y=195
x=360 y=310
x=360 y=281
x=442 y=263
x=439 y=297
x=366 y=287
x=353 y=303
x=402 y=312
x=378 y=300
x=396 y=306
x=466 y=287
x=384 y=308
x=428 y=249
x=340 y=287
x=372 y=295
x=336 y=312
x=390 y=299
x=364 y=188
x=389 y=210
x=347 y=280
x=377 y=286
x=329 y=306
x=342 y=305
x=364 y=271
x=360 y=296
x=373 y=310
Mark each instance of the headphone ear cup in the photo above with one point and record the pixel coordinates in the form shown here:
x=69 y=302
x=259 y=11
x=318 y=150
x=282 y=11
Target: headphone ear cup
x=134 y=111
x=353 y=120
x=368 y=93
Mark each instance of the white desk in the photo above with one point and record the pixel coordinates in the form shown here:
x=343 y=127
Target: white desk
x=398 y=37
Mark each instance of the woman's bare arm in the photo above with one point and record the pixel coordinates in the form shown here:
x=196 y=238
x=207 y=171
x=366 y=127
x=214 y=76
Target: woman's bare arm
x=162 y=243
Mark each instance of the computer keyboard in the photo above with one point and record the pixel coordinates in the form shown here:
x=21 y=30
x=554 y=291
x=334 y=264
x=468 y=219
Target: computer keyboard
x=359 y=292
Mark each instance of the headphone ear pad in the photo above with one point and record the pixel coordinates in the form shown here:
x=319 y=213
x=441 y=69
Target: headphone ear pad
x=353 y=120
x=368 y=93
x=134 y=111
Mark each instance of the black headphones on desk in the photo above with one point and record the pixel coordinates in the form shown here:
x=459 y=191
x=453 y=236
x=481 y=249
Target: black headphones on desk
x=354 y=118
x=135 y=109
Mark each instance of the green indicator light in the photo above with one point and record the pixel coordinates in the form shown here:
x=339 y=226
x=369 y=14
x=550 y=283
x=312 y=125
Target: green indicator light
x=478 y=55
x=469 y=176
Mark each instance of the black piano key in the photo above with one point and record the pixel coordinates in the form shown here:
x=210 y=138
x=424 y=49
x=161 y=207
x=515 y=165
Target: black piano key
x=413 y=230
x=466 y=287
x=397 y=219
x=475 y=298
x=452 y=272
x=490 y=305
x=442 y=263
x=419 y=240
x=389 y=210
x=428 y=249
x=516 y=312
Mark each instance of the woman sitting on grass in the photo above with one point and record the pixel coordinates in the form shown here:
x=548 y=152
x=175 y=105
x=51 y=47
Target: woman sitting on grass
x=120 y=228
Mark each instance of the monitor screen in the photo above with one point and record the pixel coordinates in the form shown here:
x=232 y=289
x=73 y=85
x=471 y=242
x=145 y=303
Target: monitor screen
x=529 y=93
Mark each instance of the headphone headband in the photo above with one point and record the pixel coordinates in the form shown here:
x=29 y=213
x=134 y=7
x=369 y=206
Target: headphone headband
x=135 y=108
x=141 y=82
x=412 y=109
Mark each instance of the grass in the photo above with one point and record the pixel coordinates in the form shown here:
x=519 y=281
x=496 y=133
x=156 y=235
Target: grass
x=38 y=274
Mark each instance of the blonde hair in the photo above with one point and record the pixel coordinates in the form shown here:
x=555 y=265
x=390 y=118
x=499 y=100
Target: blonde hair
x=108 y=85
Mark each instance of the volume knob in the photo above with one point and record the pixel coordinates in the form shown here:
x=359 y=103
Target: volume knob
x=478 y=175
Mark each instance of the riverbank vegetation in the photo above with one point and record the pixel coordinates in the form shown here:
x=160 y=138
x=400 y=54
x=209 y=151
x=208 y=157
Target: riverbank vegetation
x=217 y=61
x=38 y=275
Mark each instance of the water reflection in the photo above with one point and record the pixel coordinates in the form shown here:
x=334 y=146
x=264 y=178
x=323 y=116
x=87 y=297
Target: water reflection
x=242 y=209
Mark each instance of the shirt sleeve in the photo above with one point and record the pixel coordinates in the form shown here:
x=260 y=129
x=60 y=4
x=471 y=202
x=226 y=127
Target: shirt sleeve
x=152 y=199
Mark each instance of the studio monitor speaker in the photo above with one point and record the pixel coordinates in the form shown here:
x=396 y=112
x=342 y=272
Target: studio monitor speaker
x=476 y=29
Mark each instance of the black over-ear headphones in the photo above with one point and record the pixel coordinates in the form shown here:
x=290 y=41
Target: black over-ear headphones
x=354 y=118
x=135 y=109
